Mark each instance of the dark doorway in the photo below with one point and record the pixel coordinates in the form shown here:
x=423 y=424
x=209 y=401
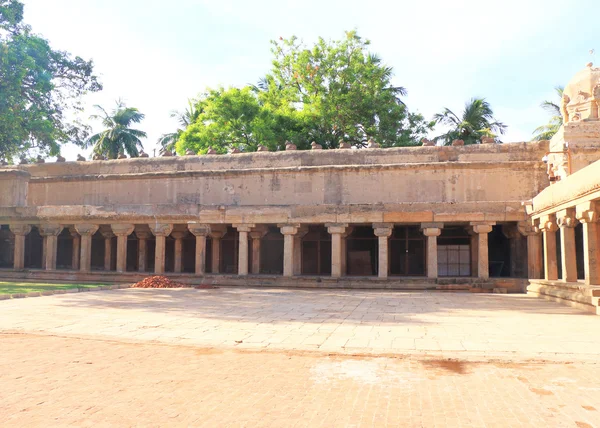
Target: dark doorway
x=407 y=251
x=579 y=251
x=454 y=252
x=271 y=252
x=34 y=249
x=316 y=251
x=97 y=251
x=362 y=255
x=229 y=251
x=6 y=247
x=64 y=250
x=188 y=256
x=498 y=253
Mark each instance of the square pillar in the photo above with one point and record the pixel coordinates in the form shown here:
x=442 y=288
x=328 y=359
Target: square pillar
x=243 y=230
x=483 y=264
x=534 y=249
x=288 y=231
x=160 y=231
x=256 y=235
x=216 y=233
x=76 y=248
x=548 y=228
x=86 y=231
x=200 y=231
x=589 y=216
x=20 y=231
x=302 y=231
x=337 y=230
x=178 y=235
x=566 y=222
x=142 y=251
x=122 y=231
x=383 y=231
x=50 y=233
x=432 y=231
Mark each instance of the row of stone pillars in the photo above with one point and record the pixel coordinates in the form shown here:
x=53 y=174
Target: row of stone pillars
x=292 y=233
x=565 y=221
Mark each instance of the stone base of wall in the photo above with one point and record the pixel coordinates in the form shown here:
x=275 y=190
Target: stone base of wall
x=573 y=294
x=510 y=285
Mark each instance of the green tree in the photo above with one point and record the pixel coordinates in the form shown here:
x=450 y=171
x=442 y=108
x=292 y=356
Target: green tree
x=118 y=136
x=546 y=132
x=39 y=88
x=235 y=118
x=477 y=121
x=329 y=92
x=184 y=118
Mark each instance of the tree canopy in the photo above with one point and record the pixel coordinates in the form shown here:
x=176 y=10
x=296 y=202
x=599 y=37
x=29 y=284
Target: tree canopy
x=546 y=132
x=477 y=121
x=38 y=86
x=332 y=91
x=118 y=136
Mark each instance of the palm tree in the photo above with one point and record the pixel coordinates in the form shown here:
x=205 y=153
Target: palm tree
x=546 y=132
x=185 y=119
x=118 y=137
x=477 y=121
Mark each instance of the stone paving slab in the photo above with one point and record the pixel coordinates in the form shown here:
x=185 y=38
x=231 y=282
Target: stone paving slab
x=453 y=325
x=55 y=381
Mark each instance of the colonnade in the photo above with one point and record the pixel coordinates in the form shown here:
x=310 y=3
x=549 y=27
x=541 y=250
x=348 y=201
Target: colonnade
x=292 y=235
x=564 y=221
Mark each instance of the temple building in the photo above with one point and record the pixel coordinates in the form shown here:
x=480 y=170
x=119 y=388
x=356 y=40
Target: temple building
x=520 y=216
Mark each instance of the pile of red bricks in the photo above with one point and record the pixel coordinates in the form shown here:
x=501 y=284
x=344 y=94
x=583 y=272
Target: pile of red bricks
x=158 y=282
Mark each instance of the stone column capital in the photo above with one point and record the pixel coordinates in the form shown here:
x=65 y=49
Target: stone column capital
x=527 y=228
x=288 y=229
x=432 y=231
x=383 y=230
x=243 y=227
x=302 y=231
x=566 y=218
x=548 y=223
x=482 y=227
x=122 y=229
x=588 y=212
x=179 y=234
x=259 y=232
x=334 y=228
x=199 y=229
x=161 y=229
x=50 y=229
x=20 y=229
x=86 y=229
x=143 y=234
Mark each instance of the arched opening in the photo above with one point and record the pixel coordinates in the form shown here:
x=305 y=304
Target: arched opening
x=407 y=251
x=271 y=252
x=316 y=251
x=454 y=252
x=6 y=247
x=362 y=252
x=34 y=249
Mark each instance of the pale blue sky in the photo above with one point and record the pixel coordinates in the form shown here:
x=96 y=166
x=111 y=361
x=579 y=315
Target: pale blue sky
x=155 y=54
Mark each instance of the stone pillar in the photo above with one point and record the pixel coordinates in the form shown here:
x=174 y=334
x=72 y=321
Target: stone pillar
x=200 y=231
x=178 y=235
x=302 y=231
x=76 y=248
x=432 y=231
x=86 y=231
x=383 y=231
x=336 y=230
x=108 y=236
x=243 y=230
x=122 y=231
x=534 y=249
x=566 y=222
x=548 y=228
x=256 y=235
x=20 y=231
x=160 y=231
x=44 y=244
x=483 y=264
x=288 y=231
x=50 y=232
x=142 y=253
x=216 y=233
x=589 y=216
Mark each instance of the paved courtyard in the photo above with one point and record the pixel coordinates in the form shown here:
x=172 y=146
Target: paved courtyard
x=281 y=358
x=364 y=322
